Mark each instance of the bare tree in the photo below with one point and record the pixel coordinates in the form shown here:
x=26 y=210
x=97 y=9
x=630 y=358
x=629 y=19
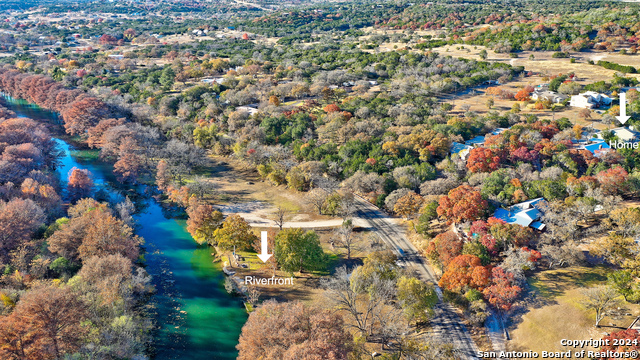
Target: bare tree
x=253 y=295
x=316 y=198
x=602 y=299
x=279 y=216
x=347 y=205
x=370 y=308
x=346 y=237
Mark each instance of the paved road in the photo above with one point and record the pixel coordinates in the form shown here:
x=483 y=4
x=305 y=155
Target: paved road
x=446 y=322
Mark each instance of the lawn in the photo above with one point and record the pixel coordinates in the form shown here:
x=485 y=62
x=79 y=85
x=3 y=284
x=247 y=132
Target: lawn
x=556 y=312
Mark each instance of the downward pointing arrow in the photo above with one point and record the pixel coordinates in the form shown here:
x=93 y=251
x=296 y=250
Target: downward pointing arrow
x=264 y=247
x=623 y=109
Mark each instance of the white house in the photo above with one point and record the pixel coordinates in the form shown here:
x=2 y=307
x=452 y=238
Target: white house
x=545 y=95
x=590 y=100
x=624 y=134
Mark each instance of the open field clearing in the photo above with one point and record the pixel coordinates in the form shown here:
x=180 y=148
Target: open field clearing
x=556 y=311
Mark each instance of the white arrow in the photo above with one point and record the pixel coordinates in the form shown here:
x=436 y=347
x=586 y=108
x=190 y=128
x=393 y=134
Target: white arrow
x=264 y=247
x=623 y=109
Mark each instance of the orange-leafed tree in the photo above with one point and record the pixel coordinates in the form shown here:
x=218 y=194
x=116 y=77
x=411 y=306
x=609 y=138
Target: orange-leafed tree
x=445 y=247
x=203 y=221
x=502 y=291
x=483 y=160
x=19 y=218
x=80 y=184
x=331 y=108
x=291 y=331
x=163 y=178
x=463 y=273
x=523 y=95
x=83 y=114
x=46 y=323
x=463 y=203
x=613 y=181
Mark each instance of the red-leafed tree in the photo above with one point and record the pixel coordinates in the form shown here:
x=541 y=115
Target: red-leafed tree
x=291 y=331
x=80 y=184
x=502 y=291
x=463 y=203
x=525 y=155
x=620 y=342
x=483 y=160
x=613 y=181
x=107 y=39
x=463 y=273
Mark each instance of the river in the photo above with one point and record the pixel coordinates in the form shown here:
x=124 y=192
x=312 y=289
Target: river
x=196 y=318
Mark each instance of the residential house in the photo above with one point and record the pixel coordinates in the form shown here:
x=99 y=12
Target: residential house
x=624 y=134
x=590 y=100
x=524 y=214
x=461 y=149
x=546 y=95
x=598 y=147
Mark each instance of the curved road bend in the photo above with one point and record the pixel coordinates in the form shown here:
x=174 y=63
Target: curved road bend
x=446 y=322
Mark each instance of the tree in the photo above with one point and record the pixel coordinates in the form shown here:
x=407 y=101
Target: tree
x=464 y=272
x=490 y=102
x=615 y=248
x=94 y=232
x=56 y=315
x=280 y=216
x=445 y=247
x=620 y=342
x=234 y=233
x=293 y=331
x=623 y=282
x=106 y=235
x=523 y=95
x=296 y=250
x=600 y=298
x=366 y=297
x=274 y=100
x=483 y=160
x=417 y=299
x=83 y=114
x=462 y=204
x=613 y=181
x=502 y=291
x=79 y=184
x=203 y=222
x=19 y=219
x=317 y=197
x=345 y=237
x=483 y=54
x=408 y=205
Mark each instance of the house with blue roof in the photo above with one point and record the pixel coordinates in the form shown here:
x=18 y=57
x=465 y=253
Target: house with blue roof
x=598 y=147
x=525 y=214
x=461 y=149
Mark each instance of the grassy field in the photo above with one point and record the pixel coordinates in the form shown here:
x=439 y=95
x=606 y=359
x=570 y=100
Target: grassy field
x=557 y=312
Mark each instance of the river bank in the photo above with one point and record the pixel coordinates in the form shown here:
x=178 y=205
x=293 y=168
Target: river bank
x=195 y=317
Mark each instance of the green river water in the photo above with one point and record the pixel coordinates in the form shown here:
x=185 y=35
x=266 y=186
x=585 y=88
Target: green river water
x=196 y=318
